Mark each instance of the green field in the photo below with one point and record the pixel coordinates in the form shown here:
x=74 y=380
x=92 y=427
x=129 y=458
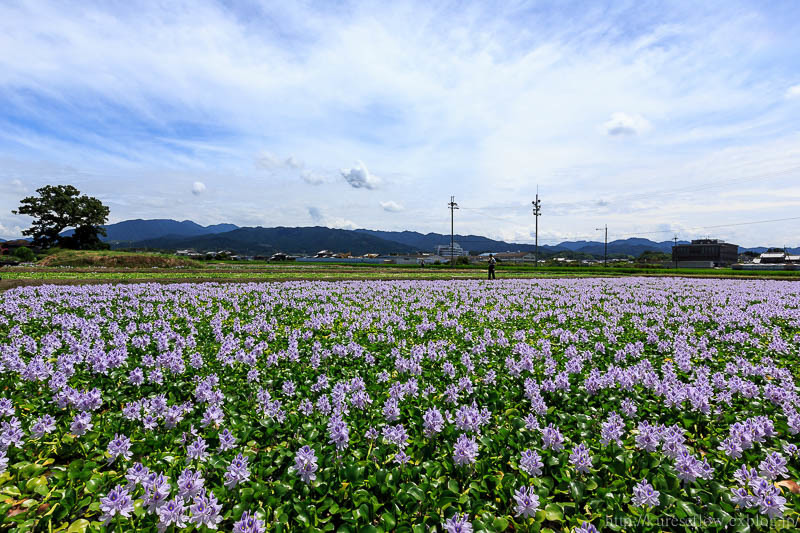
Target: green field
x=245 y=272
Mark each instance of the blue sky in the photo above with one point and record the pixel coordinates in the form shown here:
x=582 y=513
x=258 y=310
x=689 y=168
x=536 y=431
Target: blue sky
x=646 y=116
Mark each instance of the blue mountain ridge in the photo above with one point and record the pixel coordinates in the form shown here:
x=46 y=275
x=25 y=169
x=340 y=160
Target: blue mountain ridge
x=171 y=234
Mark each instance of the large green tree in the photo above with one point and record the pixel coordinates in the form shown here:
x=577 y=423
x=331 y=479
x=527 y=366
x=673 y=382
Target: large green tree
x=59 y=207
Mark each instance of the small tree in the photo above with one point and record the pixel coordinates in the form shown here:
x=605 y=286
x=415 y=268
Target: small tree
x=24 y=254
x=59 y=207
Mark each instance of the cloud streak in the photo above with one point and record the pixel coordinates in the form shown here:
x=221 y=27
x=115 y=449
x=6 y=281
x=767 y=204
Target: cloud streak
x=359 y=177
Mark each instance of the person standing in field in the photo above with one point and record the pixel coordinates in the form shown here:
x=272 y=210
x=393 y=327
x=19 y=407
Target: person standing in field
x=492 y=263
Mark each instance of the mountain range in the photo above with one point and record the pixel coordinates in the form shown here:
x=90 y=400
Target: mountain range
x=129 y=231
x=167 y=234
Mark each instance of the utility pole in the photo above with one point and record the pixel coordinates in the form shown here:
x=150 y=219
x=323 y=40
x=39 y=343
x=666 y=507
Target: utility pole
x=452 y=206
x=675 y=251
x=605 y=248
x=537 y=211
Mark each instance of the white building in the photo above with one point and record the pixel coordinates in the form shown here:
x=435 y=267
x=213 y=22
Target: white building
x=444 y=250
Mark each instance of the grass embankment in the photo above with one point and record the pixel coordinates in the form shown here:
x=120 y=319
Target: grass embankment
x=88 y=267
x=111 y=259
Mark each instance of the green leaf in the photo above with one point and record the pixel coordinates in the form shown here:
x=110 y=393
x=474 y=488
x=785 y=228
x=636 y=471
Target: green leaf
x=576 y=489
x=416 y=493
x=78 y=526
x=388 y=521
x=553 y=512
x=500 y=523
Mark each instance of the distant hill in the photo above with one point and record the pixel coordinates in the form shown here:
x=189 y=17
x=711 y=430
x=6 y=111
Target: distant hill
x=633 y=246
x=167 y=234
x=428 y=242
x=129 y=231
x=266 y=241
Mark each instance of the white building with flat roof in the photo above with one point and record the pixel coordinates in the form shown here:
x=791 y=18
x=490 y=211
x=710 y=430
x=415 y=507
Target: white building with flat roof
x=444 y=250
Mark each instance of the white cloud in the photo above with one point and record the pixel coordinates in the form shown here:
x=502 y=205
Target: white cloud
x=267 y=160
x=793 y=91
x=625 y=124
x=316 y=215
x=391 y=206
x=359 y=177
x=312 y=178
x=198 y=188
x=290 y=166
x=320 y=219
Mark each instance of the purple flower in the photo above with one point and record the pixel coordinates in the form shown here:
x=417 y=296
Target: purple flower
x=396 y=435
x=119 y=446
x=289 y=388
x=531 y=463
x=629 y=408
x=226 y=440
x=172 y=512
x=338 y=432
x=458 y=523
x=391 y=410
x=773 y=466
x=611 y=430
x=772 y=503
x=156 y=491
x=742 y=498
x=586 y=527
x=432 y=421
x=81 y=423
x=11 y=433
x=466 y=450
x=645 y=495
x=190 y=483
x=6 y=407
x=743 y=475
x=527 y=502
x=580 y=458
x=552 y=438
x=790 y=449
x=137 y=474
x=3 y=462
x=197 y=450
x=237 y=472
x=116 y=502
x=732 y=447
x=305 y=464
x=532 y=423
x=401 y=458
x=306 y=407
x=248 y=523
x=205 y=510
x=43 y=425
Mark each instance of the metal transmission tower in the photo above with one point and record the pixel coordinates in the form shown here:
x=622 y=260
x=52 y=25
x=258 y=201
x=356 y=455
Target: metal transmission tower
x=452 y=206
x=605 y=248
x=537 y=211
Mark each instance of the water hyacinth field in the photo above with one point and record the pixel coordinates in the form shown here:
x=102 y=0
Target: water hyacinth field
x=632 y=404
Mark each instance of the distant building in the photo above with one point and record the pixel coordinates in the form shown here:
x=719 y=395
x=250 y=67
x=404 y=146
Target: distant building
x=702 y=251
x=772 y=257
x=777 y=256
x=445 y=251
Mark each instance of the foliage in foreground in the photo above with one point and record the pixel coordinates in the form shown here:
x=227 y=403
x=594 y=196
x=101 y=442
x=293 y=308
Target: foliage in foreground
x=621 y=404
